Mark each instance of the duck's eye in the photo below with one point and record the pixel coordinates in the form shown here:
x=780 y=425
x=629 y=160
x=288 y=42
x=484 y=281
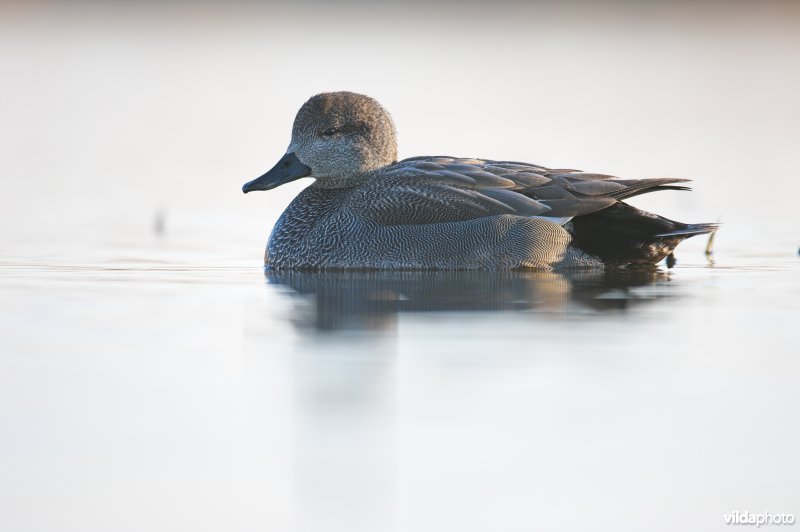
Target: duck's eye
x=331 y=131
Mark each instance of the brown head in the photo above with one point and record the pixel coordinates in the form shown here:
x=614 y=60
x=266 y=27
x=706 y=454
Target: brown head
x=337 y=138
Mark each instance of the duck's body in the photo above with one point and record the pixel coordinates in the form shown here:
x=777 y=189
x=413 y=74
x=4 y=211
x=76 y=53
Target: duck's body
x=448 y=213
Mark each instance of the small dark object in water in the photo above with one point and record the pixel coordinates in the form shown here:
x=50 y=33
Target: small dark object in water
x=671 y=260
x=160 y=222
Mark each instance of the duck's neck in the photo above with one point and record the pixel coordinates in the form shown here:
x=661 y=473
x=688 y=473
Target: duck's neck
x=339 y=182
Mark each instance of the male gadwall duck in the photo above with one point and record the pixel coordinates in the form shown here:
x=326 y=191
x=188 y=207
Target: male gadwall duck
x=366 y=210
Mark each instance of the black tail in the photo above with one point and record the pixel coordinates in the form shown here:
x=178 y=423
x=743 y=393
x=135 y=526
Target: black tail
x=621 y=234
x=691 y=230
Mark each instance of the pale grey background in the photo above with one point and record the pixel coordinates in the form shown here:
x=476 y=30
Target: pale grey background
x=153 y=382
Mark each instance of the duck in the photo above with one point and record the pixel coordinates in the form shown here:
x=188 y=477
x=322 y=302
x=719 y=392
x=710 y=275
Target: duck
x=366 y=210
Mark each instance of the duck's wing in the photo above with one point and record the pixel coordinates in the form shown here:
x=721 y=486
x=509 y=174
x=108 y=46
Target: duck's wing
x=573 y=193
x=444 y=189
x=430 y=190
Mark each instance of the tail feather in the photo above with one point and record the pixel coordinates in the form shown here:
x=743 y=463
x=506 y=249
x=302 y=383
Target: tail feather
x=635 y=187
x=691 y=230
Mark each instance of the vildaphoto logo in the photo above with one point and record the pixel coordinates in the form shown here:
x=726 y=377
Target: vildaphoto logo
x=759 y=520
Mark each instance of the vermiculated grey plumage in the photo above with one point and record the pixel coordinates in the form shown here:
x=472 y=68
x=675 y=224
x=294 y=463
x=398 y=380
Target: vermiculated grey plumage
x=366 y=210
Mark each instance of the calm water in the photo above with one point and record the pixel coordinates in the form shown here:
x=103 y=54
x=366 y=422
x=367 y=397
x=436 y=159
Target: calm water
x=153 y=378
x=162 y=394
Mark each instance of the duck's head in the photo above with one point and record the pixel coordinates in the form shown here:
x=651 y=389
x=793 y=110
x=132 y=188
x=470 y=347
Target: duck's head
x=337 y=138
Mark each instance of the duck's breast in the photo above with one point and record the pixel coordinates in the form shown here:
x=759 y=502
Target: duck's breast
x=312 y=229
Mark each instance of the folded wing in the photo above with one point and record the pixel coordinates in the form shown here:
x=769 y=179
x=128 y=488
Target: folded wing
x=424 y=190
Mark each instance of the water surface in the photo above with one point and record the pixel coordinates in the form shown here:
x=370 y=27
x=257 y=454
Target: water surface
x=180 y=395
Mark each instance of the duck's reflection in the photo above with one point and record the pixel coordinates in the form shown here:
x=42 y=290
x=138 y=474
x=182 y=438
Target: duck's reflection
x=349 y=396
x=371 y=300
